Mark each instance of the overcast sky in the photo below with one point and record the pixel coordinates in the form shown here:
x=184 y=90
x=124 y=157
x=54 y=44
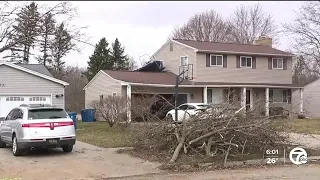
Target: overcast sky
x=142 y=27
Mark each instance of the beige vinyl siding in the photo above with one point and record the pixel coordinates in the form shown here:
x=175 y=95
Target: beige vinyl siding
x=20 y=82
x=101 y=85
x=233 y=74
x=197 y=92
x=171 y=59
x=311 y=99
x=124 y=90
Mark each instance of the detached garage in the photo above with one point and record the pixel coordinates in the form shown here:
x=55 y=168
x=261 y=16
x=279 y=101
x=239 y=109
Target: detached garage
x=28 y=84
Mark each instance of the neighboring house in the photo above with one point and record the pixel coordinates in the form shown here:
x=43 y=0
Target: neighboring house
x=311 y=99
x=28 y=84
x=254 y=72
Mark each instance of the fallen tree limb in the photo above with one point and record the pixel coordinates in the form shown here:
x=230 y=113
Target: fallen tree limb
x=221 y=130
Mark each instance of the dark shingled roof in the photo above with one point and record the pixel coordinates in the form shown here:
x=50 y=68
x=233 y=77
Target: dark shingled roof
x=231 y=47
x=166 y=78
x=169 y=78
x=37 y=67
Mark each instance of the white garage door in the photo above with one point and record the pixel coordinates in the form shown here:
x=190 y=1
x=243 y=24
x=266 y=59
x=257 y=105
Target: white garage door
x=9 y=102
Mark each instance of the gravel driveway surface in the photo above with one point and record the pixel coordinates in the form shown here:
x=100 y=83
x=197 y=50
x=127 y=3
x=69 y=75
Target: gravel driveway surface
x=85 y=162
x=303 y=172
x=306 y=140
x=91 y=162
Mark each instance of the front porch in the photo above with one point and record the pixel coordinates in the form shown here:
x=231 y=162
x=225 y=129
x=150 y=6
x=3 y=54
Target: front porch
x=186 y=94
x=262 y=98
x=251 y=97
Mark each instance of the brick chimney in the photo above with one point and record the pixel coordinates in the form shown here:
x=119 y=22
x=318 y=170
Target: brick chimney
x=263 y=40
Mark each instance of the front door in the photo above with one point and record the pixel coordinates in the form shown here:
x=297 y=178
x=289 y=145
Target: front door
x=248 y=99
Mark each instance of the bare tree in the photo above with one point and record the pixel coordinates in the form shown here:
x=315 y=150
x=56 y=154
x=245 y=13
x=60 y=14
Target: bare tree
x=74 y=94
x=248 y=23
x=149 y=107
x=132 y=64
x=302 y=74
x=112 y=109
x=11 y=37
x=244 y=26
x=305 y=33
x=205 y=26
x=8 y=13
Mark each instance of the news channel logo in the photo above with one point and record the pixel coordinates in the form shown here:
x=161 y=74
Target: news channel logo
x=298 y=156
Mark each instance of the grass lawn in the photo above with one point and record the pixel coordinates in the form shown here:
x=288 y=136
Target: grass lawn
x=102 y=135
x=309 y=126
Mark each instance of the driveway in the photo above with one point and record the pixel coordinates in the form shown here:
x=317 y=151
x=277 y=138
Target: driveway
x=91 y=162
x=303 y=172
x=306 y=140
x=85 y=162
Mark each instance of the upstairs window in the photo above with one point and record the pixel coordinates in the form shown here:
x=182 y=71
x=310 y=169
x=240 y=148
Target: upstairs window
x=183 y=61
x=216 y=60
x=277 y=63
x=245 y=61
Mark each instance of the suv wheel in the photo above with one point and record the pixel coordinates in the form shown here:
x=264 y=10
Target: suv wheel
x=16 y=151
x=67 y=148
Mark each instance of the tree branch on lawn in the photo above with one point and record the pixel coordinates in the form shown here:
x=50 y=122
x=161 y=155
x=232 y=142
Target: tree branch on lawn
x=224 y=129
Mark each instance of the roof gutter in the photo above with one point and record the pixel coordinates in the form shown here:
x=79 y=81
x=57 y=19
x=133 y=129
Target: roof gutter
x=213 y=86
x=233 y=52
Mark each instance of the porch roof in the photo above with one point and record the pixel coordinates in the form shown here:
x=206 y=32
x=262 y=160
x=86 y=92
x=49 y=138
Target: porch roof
x=163 y=78
x=168 y=79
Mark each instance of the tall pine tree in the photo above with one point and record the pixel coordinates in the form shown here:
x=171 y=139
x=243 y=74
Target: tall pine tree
x=119 y=58
x=47 y=32
x=100 y=59
x=27 y=29
x=62 y=44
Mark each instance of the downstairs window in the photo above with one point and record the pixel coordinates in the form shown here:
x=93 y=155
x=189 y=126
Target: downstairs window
x=280 y=95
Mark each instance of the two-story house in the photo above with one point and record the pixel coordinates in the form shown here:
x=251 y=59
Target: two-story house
x=252 y=71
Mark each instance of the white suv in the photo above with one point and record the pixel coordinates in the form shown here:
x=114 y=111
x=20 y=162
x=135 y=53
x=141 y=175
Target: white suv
x=37 y=126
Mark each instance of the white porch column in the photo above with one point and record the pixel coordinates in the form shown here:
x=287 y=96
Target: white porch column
x=205 y=95
x=243 y=97
x=301 y=100
x=267 y=101
x=129 y=103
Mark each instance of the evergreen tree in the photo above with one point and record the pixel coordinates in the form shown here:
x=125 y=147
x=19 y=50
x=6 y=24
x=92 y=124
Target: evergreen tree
x=47 y=32
x=27 y=30
x=100 y=59
x=119 y=58
x=62 y=44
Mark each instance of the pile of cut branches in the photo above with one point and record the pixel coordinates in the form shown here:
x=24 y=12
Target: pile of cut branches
x=221 y=131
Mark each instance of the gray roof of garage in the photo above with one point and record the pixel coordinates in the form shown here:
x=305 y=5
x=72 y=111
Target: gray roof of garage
x=37 y=67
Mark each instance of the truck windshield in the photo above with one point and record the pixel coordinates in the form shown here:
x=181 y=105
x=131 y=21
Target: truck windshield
x=47 y=113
